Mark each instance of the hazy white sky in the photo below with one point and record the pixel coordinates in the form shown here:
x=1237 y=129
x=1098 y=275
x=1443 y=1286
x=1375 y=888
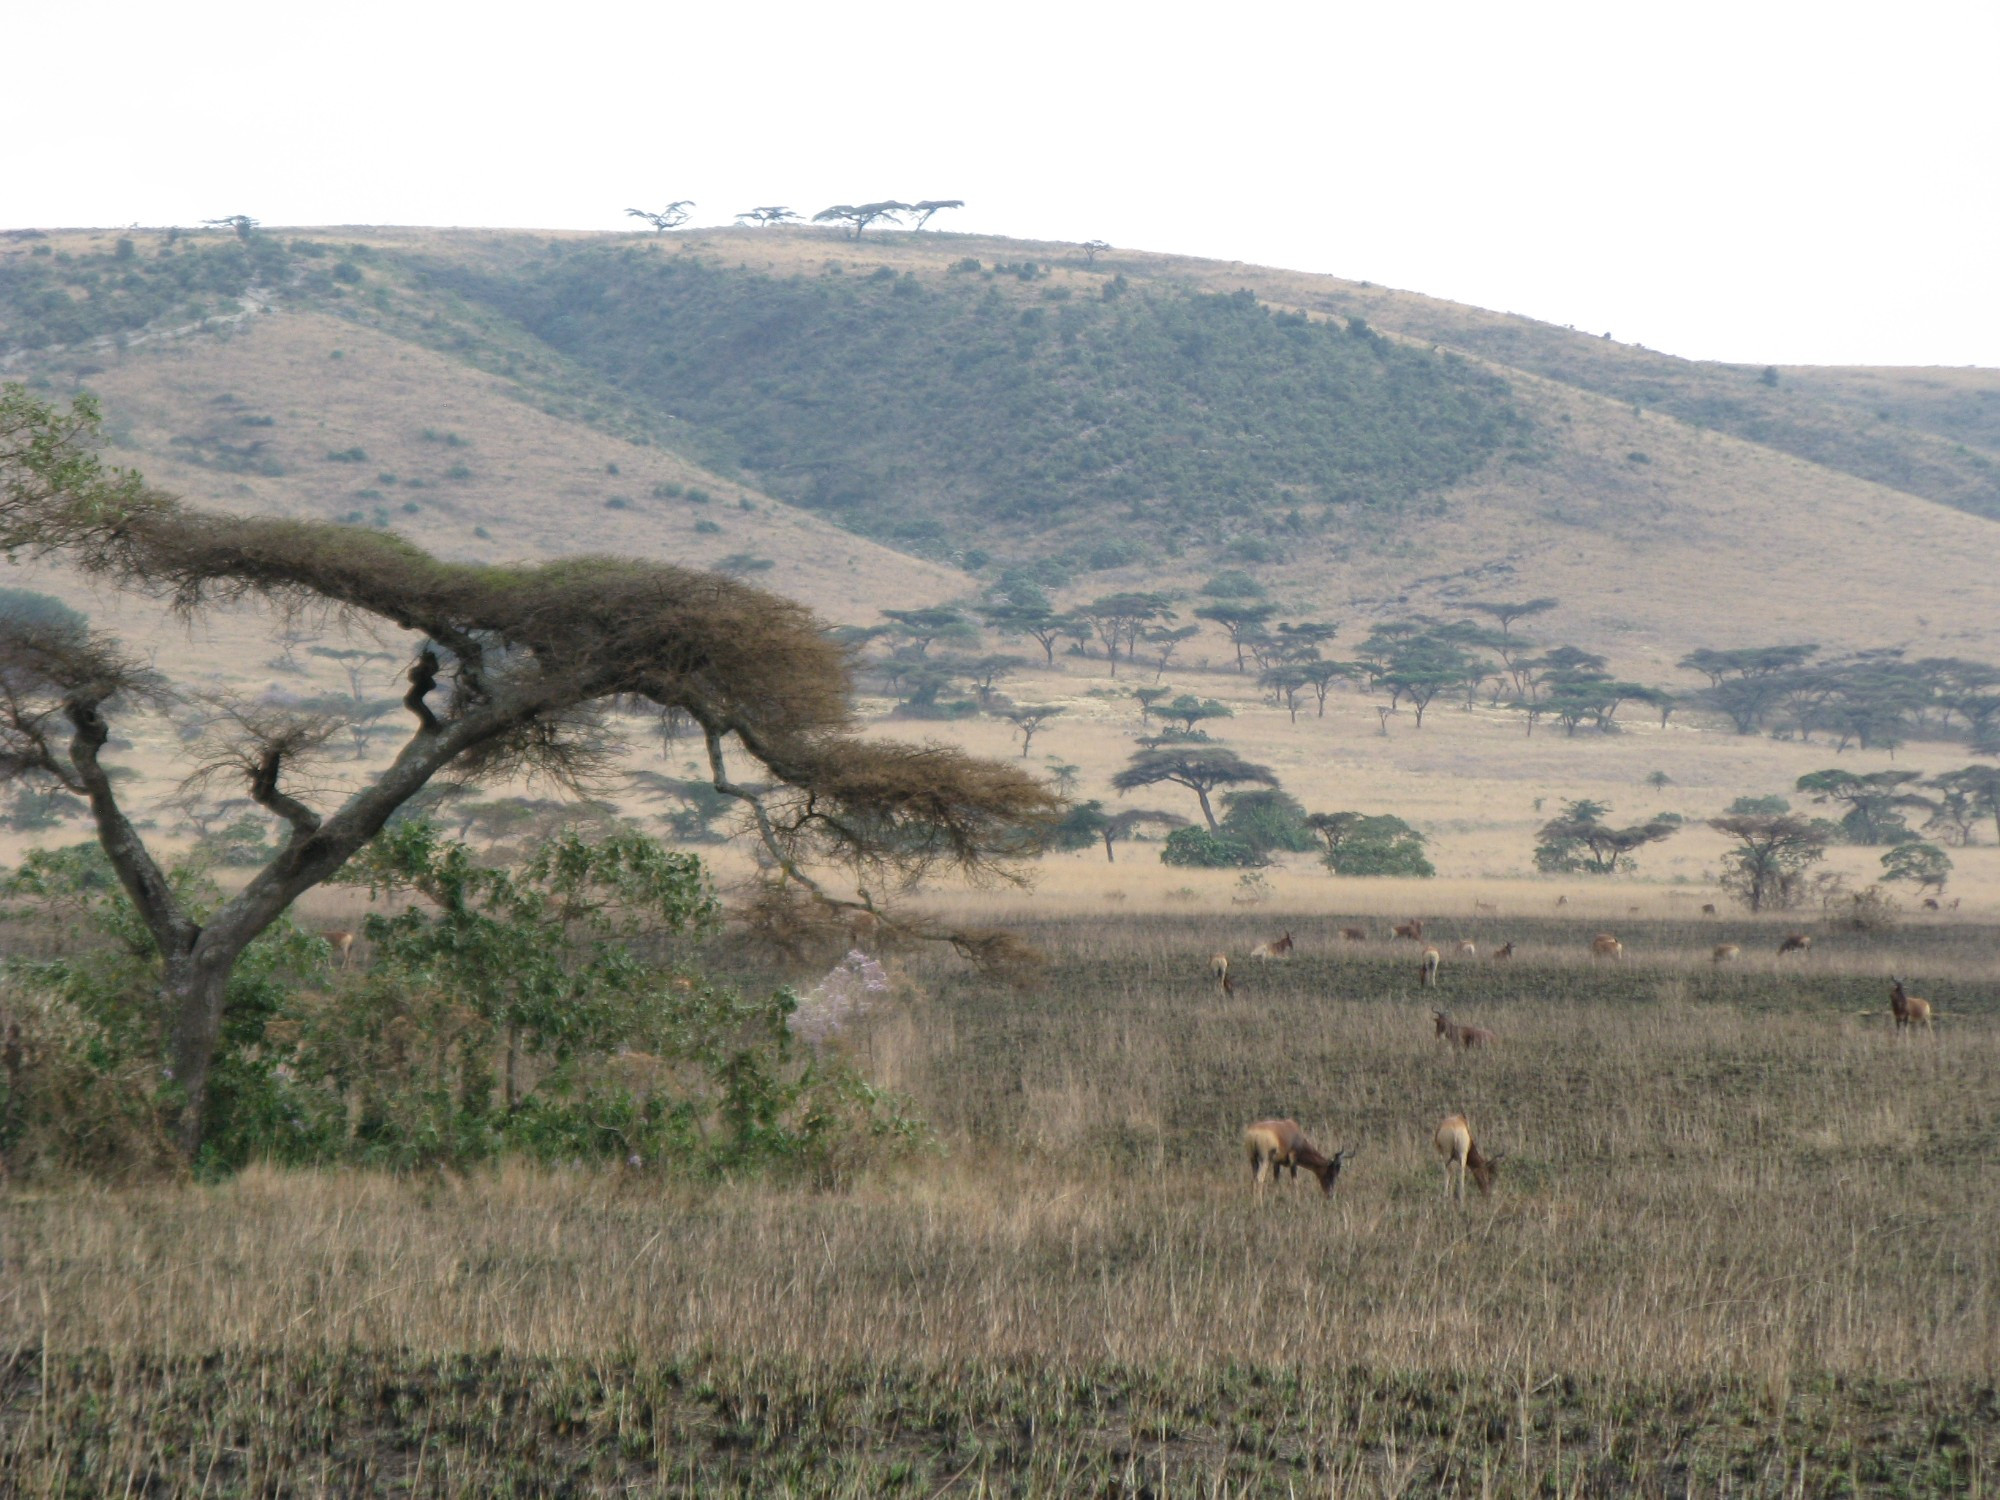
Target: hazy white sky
x=1794 y=183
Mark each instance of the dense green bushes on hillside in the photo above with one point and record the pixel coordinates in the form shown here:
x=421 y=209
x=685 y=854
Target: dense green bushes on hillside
x=929 y=412
x=67 y=299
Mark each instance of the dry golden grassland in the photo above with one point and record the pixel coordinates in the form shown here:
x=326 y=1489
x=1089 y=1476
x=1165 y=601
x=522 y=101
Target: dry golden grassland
x=1744 y=1241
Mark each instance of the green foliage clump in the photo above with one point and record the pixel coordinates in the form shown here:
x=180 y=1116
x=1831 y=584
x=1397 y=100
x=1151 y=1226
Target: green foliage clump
x=1198 y=849
x=927 y=413
x=1377 y=844
x=1266 y=820
x=547 y=1010
x=1579 y=841
x=1921 y=864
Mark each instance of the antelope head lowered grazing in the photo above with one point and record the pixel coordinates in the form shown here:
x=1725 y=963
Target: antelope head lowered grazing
x=1797 y=942
x=1604 y=945
x=1277 y=1144
x=1455 y=1144
x=1412 y=929
x=341 y=941
x=1218 y=969
x=1274 y=948
x=1431 y=961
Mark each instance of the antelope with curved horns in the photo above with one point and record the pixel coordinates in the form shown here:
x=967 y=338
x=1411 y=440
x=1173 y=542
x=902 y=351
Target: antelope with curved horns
x=1218 y=969
x=1460 y=1035
x=1725 y=953
x=1504 y=951
x=1604 y=945
x=341 y=941
x=1455 y=1144
x=1795 y=942
x=1275 y=948
x=1277 y=1144
x=1909 y=1010
x=1412 y=929
x=1430 y=974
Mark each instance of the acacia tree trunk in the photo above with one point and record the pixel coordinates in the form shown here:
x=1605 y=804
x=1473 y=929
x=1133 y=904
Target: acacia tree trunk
x=193 y=991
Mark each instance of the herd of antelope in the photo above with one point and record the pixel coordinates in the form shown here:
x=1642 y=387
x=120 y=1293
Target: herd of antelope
x=1275 y=1145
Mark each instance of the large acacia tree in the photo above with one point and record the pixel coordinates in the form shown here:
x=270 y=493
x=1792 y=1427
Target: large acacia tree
x=512 y=670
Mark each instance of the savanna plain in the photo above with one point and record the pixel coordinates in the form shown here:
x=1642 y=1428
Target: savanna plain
x=1742 y=1241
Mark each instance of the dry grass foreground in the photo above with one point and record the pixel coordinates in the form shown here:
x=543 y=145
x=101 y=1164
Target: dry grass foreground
x=1745 y=1241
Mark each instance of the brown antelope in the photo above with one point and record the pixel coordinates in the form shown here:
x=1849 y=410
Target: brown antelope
x=1275 y=948
x=1354 y=934
x=1708 y=908
x=1604 y=945
x=1796 y=942
x=1432 y=959
x=1277 y=1144
x=1467 y=948
x=1455 y=1144
x=1504 y=951
x=341 y=941
x=1562 y=901
x=1909 y=1010
x=1460 y=1035
x=1412 y=929
x=1725 y=953
x=1218 y=969
x=1931 y=903
x=1487 y=908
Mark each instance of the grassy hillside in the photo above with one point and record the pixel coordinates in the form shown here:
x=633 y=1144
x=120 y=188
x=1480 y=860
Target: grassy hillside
x=1133 y=422
x=935 y=409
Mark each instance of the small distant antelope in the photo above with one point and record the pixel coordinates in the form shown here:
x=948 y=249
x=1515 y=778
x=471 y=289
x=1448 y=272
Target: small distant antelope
x=341 y=941
x=1275 y=948
x=1468 y=948
x=1455 y=1144
x=1432 y=959
x=1505 y=951
x=1931 y=903
x=1354 y=934
x=1460 y=1035
x=1218 y=969
x=1487 y=908
x=1797 y=942
x=1909 y=1010
x=1562 y=901
x=1412 y=929
x=1604 y=945
x=1277 y=1144
x=1708 y=908
x=1725 y=953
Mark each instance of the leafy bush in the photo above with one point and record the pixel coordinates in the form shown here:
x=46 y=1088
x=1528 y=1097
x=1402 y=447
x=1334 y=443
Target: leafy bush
x=506 y=1011
x=1378 y=844
x=1198 y=849
x=1267 y=819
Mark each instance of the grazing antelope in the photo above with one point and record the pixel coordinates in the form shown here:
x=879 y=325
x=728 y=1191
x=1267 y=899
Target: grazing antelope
x=1797 y=942
x=1275 y=948
x=1909 y=1010
x=1505 y=951
x=1931 y=903
x=1354 y=934
x=1562 y=901
x=1604 y=945
x=1468 y=948
x=1455 y=1144
x=1218 y=969
x=1412 y=929
x=1460 y=1035
x=1277 y=1144
x=1708 y=908
x=341 y=941
x=1725 y=953
x=1487 y=908
x=1432 y=959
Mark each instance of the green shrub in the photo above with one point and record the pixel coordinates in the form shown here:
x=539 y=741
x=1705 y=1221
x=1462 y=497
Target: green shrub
x=1198 y=849
x=1382 y=844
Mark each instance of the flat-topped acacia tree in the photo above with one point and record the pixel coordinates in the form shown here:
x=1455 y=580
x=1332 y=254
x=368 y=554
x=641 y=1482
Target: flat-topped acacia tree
x=516 y=673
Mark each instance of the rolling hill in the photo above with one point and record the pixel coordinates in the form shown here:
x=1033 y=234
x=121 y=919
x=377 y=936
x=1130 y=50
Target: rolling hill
x=900 y=419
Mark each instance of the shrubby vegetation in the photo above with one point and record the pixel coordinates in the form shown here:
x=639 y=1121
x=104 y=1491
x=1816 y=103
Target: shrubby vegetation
x=925 y=413
x=551 y=1010
x=68 y=299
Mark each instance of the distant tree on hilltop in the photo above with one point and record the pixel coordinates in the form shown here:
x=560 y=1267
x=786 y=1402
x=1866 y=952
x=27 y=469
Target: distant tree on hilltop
x=772 y=214
x=930 y=206
x=671 y=217
x=861 y=215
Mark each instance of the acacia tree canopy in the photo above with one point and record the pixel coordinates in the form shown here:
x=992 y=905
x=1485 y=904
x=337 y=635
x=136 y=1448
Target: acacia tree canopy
x=514 y=670
x=1201 y=769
